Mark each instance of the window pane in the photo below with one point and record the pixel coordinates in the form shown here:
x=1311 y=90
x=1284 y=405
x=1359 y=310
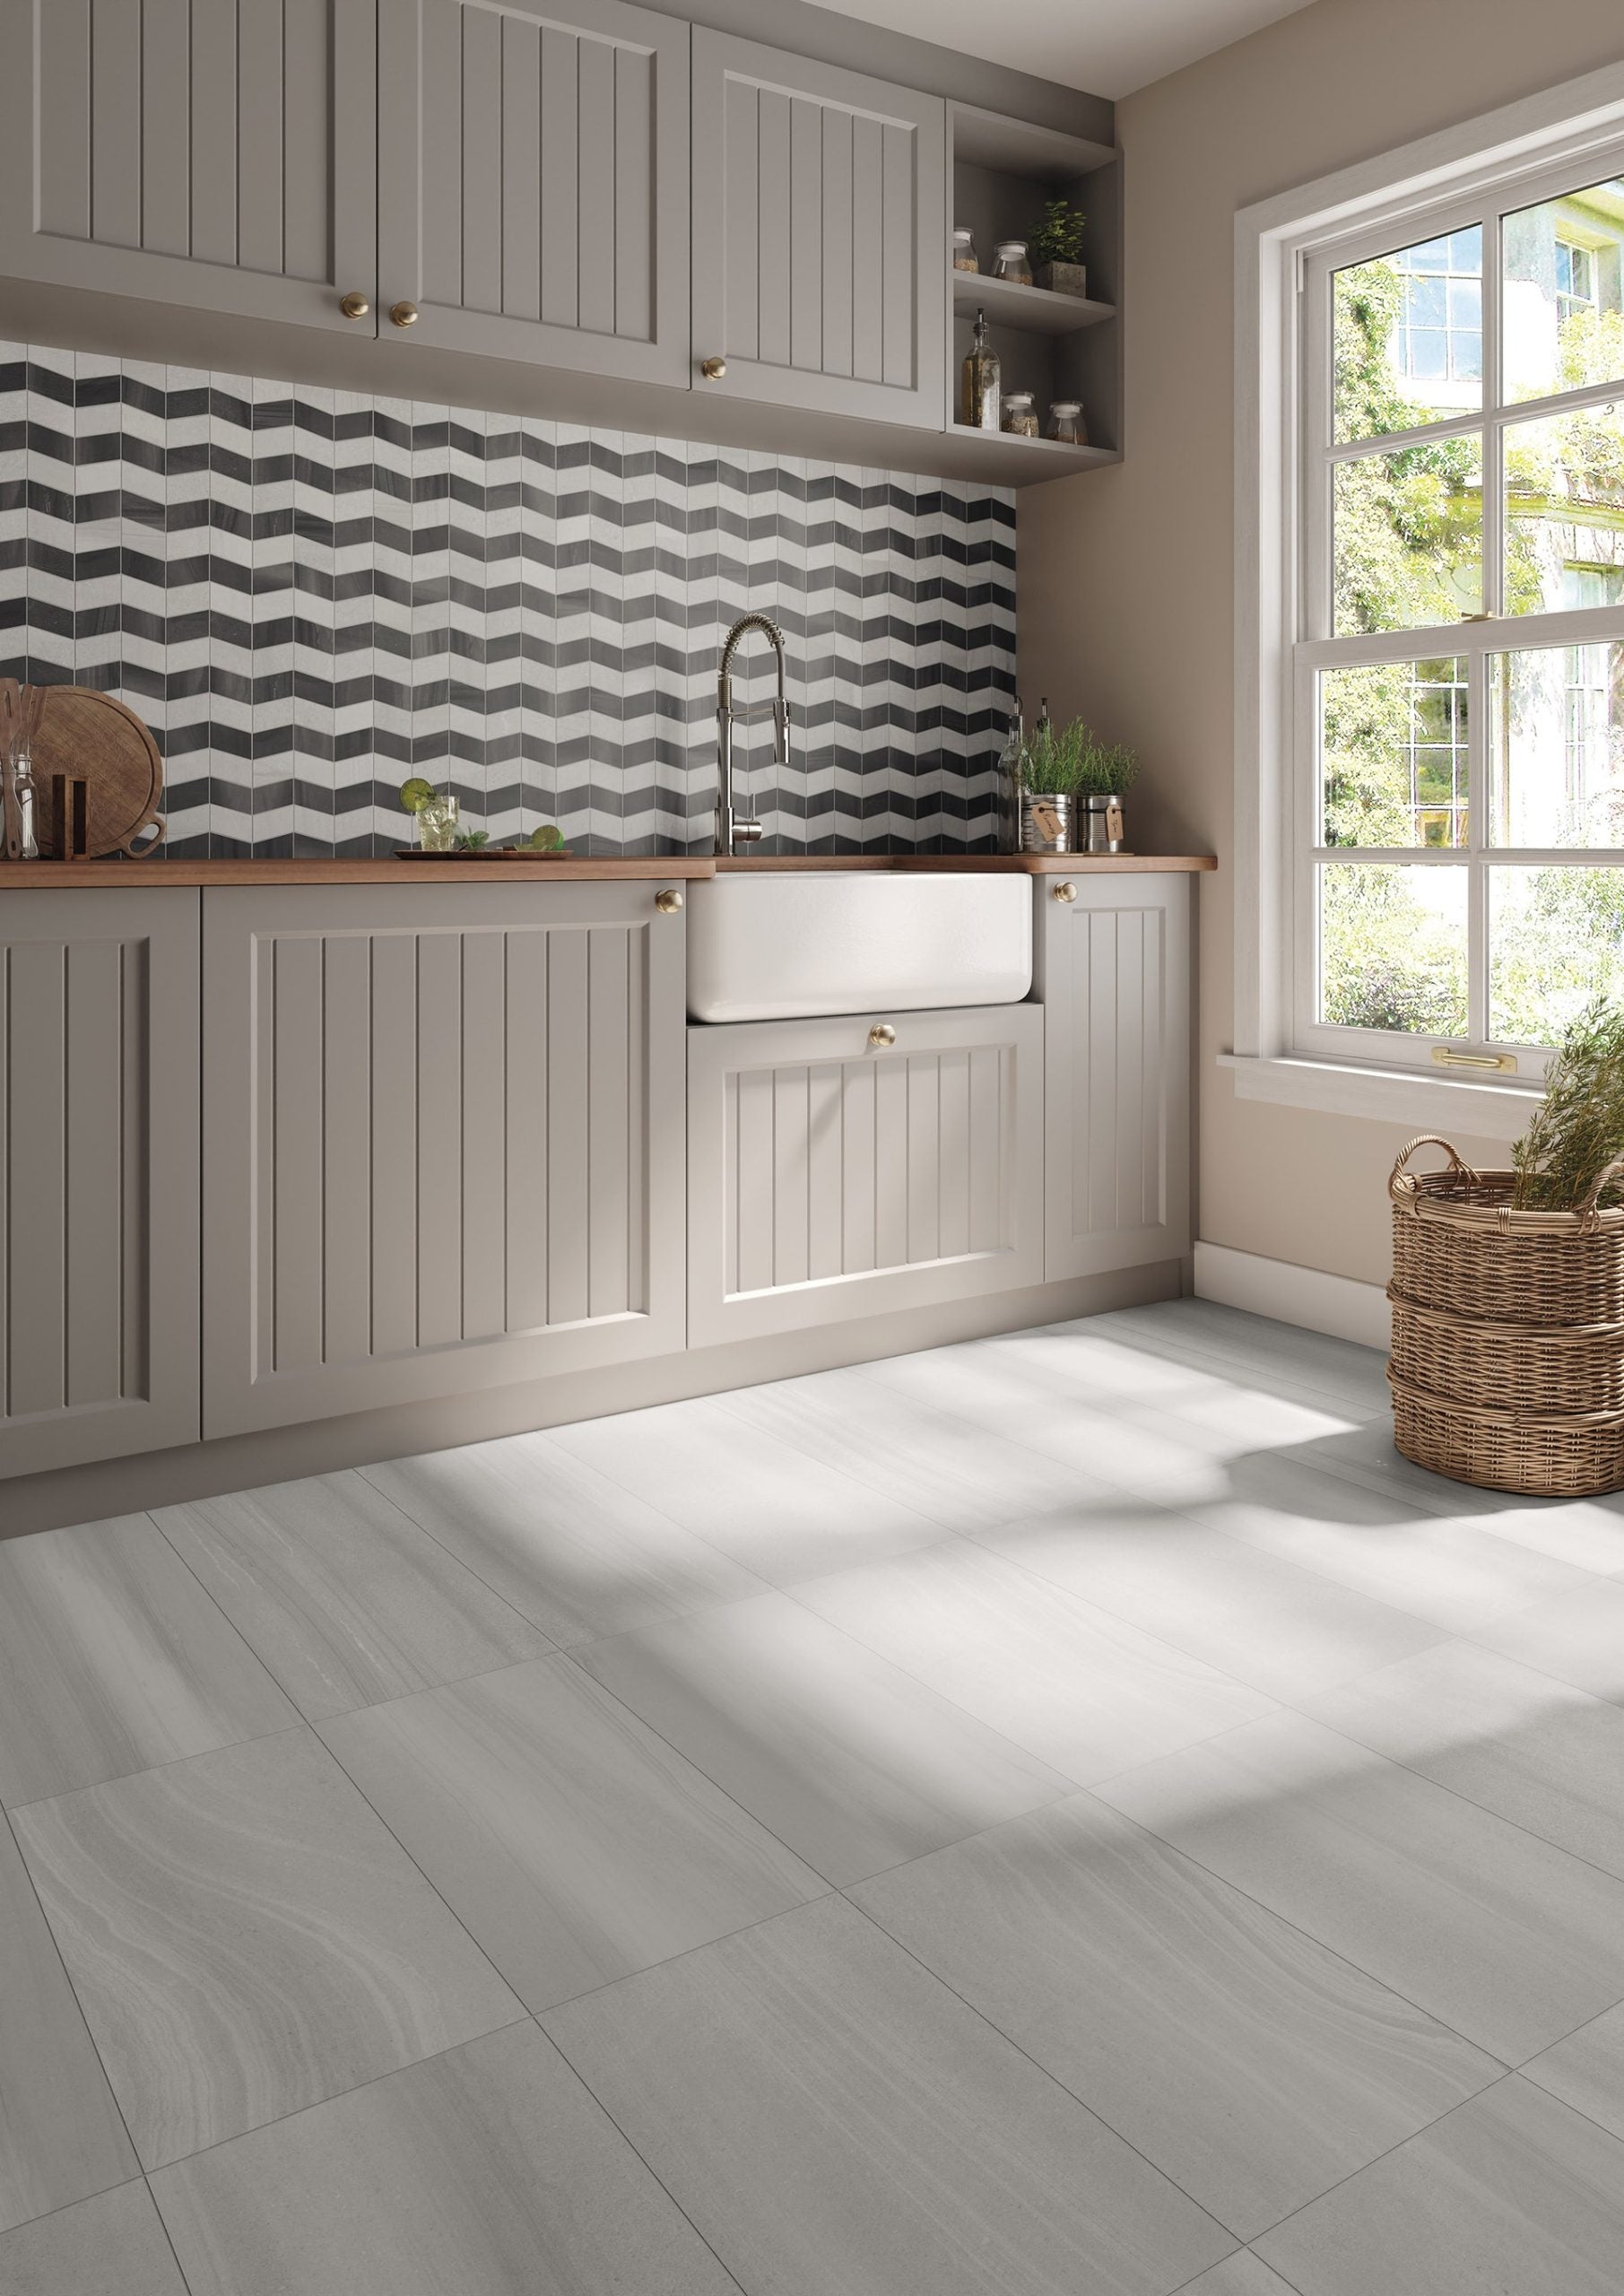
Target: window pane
x=1393 y=947
x=1554 y=939
x=1565 y=509
x=1556 y=746
x=1408 y=336
x=1562 y=321
x=1408 y=530
x=1392 y=752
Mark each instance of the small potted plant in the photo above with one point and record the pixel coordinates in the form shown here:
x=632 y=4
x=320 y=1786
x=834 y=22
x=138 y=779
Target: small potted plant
x=1054 y=247
x=1104 y=770
x=1048 y=786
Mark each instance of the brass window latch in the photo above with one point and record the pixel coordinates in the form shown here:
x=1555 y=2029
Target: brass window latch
x=1504 y=1063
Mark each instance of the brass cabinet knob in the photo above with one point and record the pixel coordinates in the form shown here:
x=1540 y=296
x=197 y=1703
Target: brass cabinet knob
x=668 y=901
x=1065 y=890
x=712 y=370
x=881 y=1035
x=354 y=305
x=403 y=314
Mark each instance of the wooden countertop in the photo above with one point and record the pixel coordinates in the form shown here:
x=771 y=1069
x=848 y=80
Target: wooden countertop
x=17 y=876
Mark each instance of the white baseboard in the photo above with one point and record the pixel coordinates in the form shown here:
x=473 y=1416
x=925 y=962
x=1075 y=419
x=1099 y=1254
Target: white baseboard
x=1308 y=1296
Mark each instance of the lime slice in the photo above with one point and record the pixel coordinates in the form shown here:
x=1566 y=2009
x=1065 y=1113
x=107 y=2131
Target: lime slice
x=548 y=838
x=415 y=792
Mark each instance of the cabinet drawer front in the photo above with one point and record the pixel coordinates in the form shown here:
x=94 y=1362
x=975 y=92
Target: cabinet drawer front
x=443 y=1143
x=99 y=1272
x=829 y=1180
x=1115 y=978
x=819 y=255
x=212 y=153
x=534 y=169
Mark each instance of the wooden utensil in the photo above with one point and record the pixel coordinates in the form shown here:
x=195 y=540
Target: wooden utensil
x=85 y=735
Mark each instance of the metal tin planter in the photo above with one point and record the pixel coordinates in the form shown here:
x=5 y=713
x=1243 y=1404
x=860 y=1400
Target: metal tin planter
x=1063 y=278
x=1102 y=824
x=1048 y=824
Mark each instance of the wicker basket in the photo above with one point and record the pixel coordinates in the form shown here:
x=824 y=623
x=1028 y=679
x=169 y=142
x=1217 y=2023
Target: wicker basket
x=1508 y=1364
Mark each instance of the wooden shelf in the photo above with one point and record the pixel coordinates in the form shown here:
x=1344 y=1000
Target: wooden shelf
x=1007 y=459
x=1035 y=311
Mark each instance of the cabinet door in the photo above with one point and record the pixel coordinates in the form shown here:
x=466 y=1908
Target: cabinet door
x=212 y=153
x=1114 y=977
x=827 y=1180
x=99 y=1228
x=533 y=180
x=819 y=234
x=443 y=1141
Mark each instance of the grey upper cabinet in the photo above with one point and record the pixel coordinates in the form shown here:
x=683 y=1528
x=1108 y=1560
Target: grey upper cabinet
x=533 y=182
x=210 y=152
x=819 y=234
x=1113 y=970
x=443 y=1142
x=98 y=1221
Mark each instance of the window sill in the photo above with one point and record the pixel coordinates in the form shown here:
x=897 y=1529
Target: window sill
x=1488 y=1107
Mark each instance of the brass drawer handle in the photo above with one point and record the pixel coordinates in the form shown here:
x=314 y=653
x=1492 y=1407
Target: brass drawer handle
x=668 y=901
x=1064 y=891
x=403 y=314
x=354 y=305
x=881 y=1035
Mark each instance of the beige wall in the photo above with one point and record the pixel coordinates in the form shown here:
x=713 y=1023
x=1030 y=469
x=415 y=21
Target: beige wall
x=1109 y=562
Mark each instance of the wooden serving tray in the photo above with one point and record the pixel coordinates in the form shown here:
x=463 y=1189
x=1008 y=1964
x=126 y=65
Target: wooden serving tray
x=94 y=736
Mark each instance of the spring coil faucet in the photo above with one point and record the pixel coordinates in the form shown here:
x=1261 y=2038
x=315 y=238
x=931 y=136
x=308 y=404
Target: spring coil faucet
x=733 y=829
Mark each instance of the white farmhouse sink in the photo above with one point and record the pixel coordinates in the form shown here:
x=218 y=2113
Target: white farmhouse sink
x=770 y=946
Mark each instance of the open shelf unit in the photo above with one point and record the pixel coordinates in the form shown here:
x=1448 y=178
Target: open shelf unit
x=1001 y=173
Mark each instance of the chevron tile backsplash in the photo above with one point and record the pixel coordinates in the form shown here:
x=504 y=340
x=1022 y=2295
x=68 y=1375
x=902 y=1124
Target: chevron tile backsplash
x=309 y=594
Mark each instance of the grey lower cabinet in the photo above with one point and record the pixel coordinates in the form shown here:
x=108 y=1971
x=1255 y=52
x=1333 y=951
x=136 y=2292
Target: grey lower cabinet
x=830 y=1179
x=214 y=153
x=99 y=1176
x=443 y=1142
x=533 y=180
x=1113 y=967
x=819 y=234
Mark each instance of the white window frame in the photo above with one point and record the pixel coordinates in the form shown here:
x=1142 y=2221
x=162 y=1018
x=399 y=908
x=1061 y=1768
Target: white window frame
x=1547 y=144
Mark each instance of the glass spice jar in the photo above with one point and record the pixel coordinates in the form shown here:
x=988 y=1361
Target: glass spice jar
x=965 y=257
x=1066 y=423
x=1019 y=414
x=1012 y=262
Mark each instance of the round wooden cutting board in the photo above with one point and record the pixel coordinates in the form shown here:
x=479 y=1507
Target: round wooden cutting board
x=89 y=733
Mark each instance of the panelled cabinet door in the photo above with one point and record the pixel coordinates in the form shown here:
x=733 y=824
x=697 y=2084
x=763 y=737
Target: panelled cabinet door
x=819 y=234
x=443 y=1139
x=218 y=154
x=99 y=1217
x=829 y=1180
x=533 y=160
x=1115 y=975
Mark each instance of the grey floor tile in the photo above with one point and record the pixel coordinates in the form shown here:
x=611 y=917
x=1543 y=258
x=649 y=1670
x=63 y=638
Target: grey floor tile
x=1241 y=2274
x=960 y=1475
x=112 y=2246
x=1084 y=1692
x=1510 y=2192
x=573 y=1843
x=1248 y=1346
x=1453 y=1575
x=343 y=1597
x=832 y=2118
x=1578 y=1638
x=61 y=2136
x=1282 y=1629
x=1366 y=1455
x=1588 y=1533
x=487 y=2172
x=1586 y=2070
x=245 y=1937
x=112 y=1658
x=1547 y=1756
x=850 y=1762
x=568 y=1548
x=1510 y=1941
x=727 y=1483
x=1255 y=2068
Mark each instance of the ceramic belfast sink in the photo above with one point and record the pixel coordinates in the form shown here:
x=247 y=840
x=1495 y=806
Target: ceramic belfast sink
x=778 y=946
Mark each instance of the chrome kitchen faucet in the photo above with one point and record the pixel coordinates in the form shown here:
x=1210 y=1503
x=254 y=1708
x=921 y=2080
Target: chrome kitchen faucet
x=732 y=829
